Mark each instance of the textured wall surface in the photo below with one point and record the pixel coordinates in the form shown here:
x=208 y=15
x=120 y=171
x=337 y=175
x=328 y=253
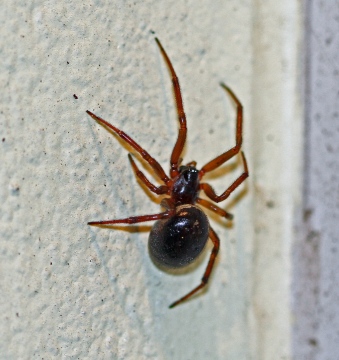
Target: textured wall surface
x=277 y=144
x=316 y=335
x=71 y=291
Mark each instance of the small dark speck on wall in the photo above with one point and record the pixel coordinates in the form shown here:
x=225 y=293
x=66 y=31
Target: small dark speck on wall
x=313 y=342
x=75 y=97
x=270 y=204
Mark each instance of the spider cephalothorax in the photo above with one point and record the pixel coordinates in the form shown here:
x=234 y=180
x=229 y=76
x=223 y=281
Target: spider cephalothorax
x=185 y=188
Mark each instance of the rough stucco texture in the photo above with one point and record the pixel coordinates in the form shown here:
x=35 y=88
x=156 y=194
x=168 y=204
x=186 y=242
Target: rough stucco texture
x=74 y=292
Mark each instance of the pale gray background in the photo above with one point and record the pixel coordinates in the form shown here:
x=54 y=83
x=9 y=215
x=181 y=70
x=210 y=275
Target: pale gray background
x=316 y=276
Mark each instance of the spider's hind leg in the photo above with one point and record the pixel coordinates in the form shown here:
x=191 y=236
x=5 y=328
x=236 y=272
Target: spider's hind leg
x=208 y=271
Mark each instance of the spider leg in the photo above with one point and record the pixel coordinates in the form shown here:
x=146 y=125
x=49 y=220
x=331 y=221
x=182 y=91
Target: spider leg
x=192 y=163
x=211 y=193
x=179 y=145
x=204 y=280
x=163 y=189
x=135 y=219
x=219 y=160
x=214 y=208
x=153 y=163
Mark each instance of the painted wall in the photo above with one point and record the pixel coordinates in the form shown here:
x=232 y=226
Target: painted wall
x=316 y=269
x=71 y=291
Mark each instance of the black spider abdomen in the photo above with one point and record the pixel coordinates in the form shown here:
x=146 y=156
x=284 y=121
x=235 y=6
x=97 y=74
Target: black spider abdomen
x=177 y=241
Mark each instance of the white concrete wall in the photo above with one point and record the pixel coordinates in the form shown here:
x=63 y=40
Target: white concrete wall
x=71 y=291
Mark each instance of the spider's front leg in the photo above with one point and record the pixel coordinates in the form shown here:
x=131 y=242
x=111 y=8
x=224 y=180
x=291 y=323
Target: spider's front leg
x=180 y=143
x=153 y=163
x=221 y=159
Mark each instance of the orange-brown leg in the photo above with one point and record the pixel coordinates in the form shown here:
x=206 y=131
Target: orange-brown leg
x=210 y=206
x=211 y=193
x=153 y=163
x=179 y=145
x=160 y=190
x=135 y=219
x=219 y=160
x=204 y=280
x=192 y=163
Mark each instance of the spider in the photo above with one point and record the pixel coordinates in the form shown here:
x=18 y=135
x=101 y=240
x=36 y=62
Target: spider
x=181 y=232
